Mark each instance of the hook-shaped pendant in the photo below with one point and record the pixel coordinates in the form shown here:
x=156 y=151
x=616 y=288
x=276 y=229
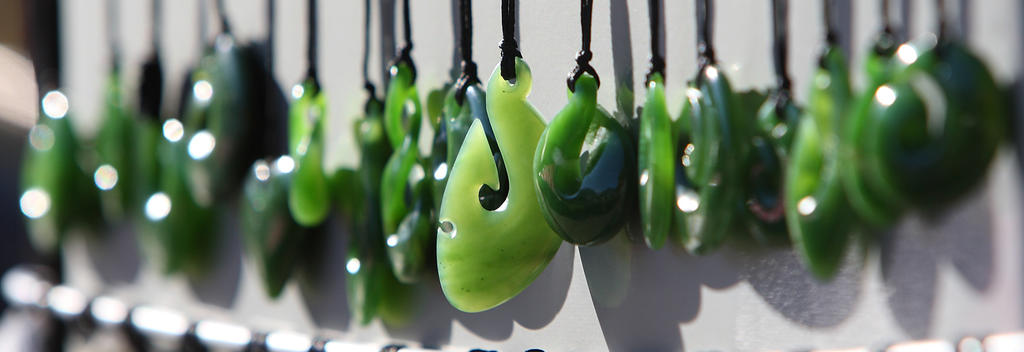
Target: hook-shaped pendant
x=405 y=193
x=711 y=144
x=817 y=212
x=582 y=169
x=56 y=193
x=933 y=84
x=308 y=195
x=486 y=257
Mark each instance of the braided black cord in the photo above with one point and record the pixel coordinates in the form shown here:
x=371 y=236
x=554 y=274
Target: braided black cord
x=312 y=56
x=222 y=14
x=509 y=46
x=657 y=59
x=705 y=51
x=584 y=56
x=469 y=74
x=405 y=53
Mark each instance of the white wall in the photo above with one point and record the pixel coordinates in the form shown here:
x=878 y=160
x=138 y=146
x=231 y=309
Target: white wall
x=946 y=278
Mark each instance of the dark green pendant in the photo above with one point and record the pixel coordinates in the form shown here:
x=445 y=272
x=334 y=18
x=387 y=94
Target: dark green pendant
x=582 y=169
x=272 y=237
x=56 y=193
x=817 y=211
x=656 y=165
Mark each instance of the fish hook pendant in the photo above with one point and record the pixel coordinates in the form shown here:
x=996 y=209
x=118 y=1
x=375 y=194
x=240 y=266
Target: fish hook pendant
x=486 y=257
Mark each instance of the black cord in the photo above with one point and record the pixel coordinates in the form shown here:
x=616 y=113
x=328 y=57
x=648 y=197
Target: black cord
x=657 y=59
x=509 y=47
x=705 y=51
x=370 y=88
x=225 y=27
x=469 y=74
x=268 y=51
x=157 y=24
x=831 y=36
x=584 y=56
x=780 y=33
x=311 y=58
x=405 y=53
x=113 y=21
x=940 y=11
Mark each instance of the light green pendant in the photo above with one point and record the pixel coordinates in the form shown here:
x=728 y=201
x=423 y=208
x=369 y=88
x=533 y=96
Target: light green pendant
x=485 y=258
x=308 y=196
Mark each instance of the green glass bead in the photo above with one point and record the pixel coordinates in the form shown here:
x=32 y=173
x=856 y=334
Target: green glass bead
x=405 y=197
x=655 y=165
x=712 y=144
x=114 y=174
x=484 y=257
x=308 y=197
x=217 y=120
x=929 y=168
x=56 y=192
x=271 y=236
x=582 y=169
x=817 y=212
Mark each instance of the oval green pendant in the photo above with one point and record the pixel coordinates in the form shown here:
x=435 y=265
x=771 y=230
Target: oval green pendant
x=710 y=147
x=56 y=192
x=582 y=169
x=655 y=165
x=485 y=258
x=817 y=212
x=115 y=143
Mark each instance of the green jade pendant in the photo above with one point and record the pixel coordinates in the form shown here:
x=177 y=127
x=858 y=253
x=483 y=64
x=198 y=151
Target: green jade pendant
x=582 y=169
x=873 y=205
x=712 y=143
x=56 y=193
x=372 y=288
x=817 y=212
x=114 y=175
x=485 y=257
x=308 y=196
x=185 y=229
x=933 y=82
x=769 y=142
x=655 y=165
x=405 y=190
x=217 y=122
x=270 y=232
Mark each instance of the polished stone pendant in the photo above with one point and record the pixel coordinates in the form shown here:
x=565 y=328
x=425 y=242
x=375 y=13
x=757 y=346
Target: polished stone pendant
x=56 y=193
x=272 y=238
x=185 y=229
x=486 y=257
x=817 y=212
x=872 y=204
x=114 y=175
x=217 y=122
x=582 y=169
x=777 y=115
x=405 y=193
x=916 y=159
x=656 y=165
x=308 y=196
x=712 y=142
